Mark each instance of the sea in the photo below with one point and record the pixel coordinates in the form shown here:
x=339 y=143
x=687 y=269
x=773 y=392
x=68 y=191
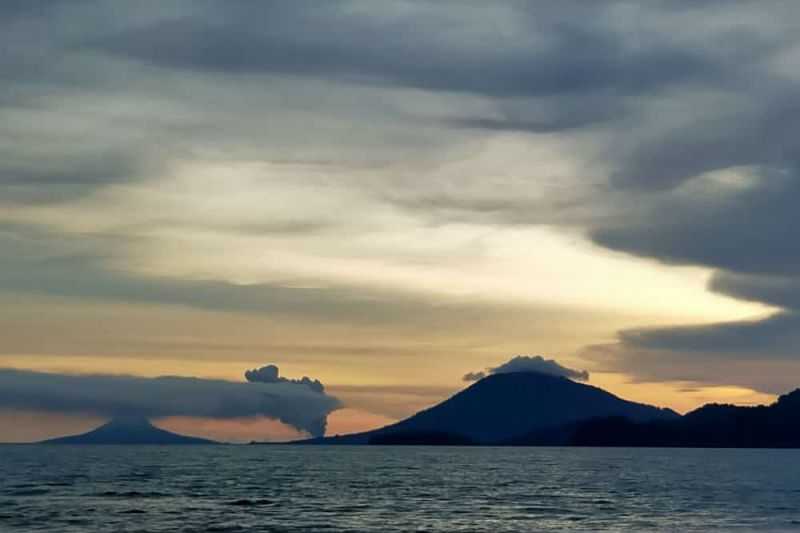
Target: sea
x=386 y=489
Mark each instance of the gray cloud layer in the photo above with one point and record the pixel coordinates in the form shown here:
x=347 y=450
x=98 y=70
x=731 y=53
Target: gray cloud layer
x=367 y=42
x=681 y=118
x=528 y=363
x=106 y=395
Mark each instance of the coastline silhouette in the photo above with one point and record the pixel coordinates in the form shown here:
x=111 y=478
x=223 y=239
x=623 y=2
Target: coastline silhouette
x=533 y=409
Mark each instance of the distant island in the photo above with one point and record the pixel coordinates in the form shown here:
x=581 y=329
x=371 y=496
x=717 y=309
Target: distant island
x=533 y=409
x=500 y=407
x=129 y=430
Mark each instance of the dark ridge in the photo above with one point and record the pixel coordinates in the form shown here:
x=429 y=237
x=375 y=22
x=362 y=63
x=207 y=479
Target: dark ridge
x=711 y=426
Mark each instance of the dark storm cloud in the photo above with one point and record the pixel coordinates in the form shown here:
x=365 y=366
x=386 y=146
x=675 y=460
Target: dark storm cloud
x=780 y=291
x=549 y=67
x=114 y=395
x=742 y=231
x=774 y=337
x=527 y=363
x=549 y=49
x=746 y=126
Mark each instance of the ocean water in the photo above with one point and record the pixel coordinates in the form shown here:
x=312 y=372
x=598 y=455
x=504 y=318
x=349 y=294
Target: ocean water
x=384 y=489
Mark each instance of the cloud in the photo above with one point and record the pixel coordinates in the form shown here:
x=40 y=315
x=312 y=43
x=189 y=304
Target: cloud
x=645 y=115
x=730 y=213
x=269 y=374
x=544 y=52
x=527 y=363
x=169 y=396
x=776 y=336
x=753 y=370
x=759 y=354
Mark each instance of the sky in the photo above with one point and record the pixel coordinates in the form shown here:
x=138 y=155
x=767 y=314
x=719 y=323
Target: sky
x=388 y=196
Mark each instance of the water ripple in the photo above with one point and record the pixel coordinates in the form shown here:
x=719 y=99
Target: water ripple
x=386 y=489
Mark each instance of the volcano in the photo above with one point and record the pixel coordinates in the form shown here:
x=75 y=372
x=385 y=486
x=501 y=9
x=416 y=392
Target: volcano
x=503 y=406
x=129 y=430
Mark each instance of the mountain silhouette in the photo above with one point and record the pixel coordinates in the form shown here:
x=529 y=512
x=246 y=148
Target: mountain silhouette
x=128 y=430
x=502 y=406
x=711 y=426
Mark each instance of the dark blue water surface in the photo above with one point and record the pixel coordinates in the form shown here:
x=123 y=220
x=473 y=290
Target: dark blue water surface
x=285 y=488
